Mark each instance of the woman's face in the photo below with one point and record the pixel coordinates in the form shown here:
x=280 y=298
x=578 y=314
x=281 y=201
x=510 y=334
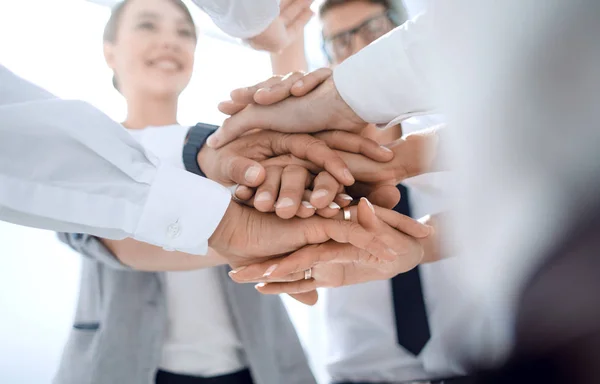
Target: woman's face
x=154 y=49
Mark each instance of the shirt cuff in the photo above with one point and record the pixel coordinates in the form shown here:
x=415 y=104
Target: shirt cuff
x=182 y=211
x=398 y=88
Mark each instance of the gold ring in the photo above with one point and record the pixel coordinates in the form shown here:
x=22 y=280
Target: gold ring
x=346 y=214
x=308 y=274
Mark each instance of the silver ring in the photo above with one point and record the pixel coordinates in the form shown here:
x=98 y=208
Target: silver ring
x=346 y=214
x=308 y=274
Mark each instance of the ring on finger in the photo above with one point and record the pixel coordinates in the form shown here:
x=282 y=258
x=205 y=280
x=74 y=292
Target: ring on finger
x=308 y=274
x=346 y=214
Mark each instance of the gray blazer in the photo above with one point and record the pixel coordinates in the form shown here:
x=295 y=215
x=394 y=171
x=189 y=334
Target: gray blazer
x=121 y=320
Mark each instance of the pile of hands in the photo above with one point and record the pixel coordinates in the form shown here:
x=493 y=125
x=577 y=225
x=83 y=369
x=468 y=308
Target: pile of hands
x=293 y=154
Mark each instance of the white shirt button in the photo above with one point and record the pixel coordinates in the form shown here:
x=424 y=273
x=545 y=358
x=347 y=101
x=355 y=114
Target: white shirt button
x=173 y=231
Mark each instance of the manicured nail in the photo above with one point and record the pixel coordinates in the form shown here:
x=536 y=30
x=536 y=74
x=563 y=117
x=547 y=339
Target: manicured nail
x=347 y=174
x=308 y=205
x=263 y=196
x=298 y=84
x=270 y=270
x=368 y=203
x=343 y=196
x=319 y=193
x=233 y=272
x=333 y=205
x=212 y=141
x=286 y=202
x=260 y=285
x=251 y=173
x=386 y=148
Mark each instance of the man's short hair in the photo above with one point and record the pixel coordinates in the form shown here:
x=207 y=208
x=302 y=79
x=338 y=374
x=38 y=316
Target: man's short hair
x=394 y=7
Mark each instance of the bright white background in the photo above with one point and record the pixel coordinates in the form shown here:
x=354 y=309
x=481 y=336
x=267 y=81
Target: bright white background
x=58 y=45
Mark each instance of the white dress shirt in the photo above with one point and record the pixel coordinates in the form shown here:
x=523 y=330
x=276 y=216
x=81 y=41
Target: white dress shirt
x=241 y=18
x=200 y=339
x=362 y=339
x=519 y=83
x=67 y=167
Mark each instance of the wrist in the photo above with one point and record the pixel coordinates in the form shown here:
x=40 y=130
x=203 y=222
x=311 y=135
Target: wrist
x=414 y=154
x=342 y=115
x=223 y=235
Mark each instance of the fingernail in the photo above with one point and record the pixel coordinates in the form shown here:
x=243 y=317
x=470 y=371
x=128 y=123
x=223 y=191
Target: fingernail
x=298 y=84
x=233 y=272
x=386 y=148
x=319 y=193
x=369 y=204
x=260 y=285
x=333 y=205
x=431 y=230
x=251 y=173
x=308 y=205
x=391 y=252
x=270 y=270
x=348 y=175
x=212 y=141
x=284 y=203
x=343 y=196
x=263 y=196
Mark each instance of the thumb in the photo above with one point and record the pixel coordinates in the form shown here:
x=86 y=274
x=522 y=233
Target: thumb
x=243 y=171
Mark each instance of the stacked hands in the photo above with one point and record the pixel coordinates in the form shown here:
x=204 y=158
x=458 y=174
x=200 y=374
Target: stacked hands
x=293 y=148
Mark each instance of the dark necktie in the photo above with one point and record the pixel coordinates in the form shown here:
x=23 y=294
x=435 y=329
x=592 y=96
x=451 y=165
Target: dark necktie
x=412 y=326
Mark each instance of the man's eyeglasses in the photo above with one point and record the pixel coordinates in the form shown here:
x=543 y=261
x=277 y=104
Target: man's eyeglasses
x=339 y=46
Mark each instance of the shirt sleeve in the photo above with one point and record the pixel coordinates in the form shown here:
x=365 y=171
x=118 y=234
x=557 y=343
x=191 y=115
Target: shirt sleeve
x=67 y=167
x=390 y=79
x=241 y=18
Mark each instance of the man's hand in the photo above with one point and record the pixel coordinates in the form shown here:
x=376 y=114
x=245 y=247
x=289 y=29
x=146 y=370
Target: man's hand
x=321 y=109
x=245 y=236
x=274 y=90
x=335 y=264
x=238 y=162
x=293 y=17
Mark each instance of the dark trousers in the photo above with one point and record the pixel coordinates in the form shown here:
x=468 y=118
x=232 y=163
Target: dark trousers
x=241 y=377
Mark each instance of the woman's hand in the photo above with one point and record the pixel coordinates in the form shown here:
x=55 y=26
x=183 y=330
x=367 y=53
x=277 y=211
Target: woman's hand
x=335 y=264
x=293 y=17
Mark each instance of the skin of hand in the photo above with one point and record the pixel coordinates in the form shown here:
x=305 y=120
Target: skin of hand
x=274 y=90
x=282 y=186
x=414 y=154
x=319 y=110
x=145 y=257
x=238 y=162
x=335 y=264
x=293 y=17
x=286 y=183
x=245 y=236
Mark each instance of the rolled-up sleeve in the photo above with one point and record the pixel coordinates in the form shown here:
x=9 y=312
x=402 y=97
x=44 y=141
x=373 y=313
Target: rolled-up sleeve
x=390 y=79
x=241 y=18
x=65 y=166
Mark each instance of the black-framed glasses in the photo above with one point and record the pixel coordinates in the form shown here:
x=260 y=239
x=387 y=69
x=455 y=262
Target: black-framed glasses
x=340 y=46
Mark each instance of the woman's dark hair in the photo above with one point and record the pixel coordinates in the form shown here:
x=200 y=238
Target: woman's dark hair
x=112 y=26
x=395 y=8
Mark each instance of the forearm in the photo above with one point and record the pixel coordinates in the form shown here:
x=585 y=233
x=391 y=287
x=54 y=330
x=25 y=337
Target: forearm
x=292 y=58
x=146 y=257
